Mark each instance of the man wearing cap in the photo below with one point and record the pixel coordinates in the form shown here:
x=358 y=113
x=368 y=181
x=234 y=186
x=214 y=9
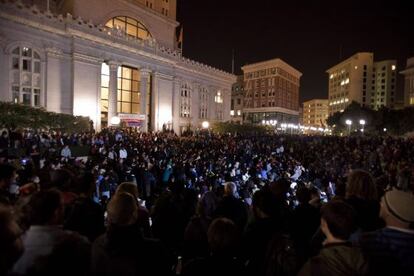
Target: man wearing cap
x=390 y=250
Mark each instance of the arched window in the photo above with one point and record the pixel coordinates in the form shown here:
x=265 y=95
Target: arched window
x=129 y=26
x=185 y=102
x=25 y=77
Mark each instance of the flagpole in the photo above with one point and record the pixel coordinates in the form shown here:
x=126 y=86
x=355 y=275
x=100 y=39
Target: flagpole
x=232 y=62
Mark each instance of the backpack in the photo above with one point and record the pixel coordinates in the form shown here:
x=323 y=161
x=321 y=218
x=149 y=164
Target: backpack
x=281 y=258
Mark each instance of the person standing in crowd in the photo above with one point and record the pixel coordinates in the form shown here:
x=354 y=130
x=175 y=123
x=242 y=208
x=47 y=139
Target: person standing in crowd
x=223 y=239
x=232 y=207
x=11 y=246
x=337 y=257
x=7 y=177
x=45 y=232
x=66 y=153
x=390 y=250
x=362 y=195
x=122 y=250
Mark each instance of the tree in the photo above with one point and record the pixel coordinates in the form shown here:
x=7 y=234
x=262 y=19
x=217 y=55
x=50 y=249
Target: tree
x=22 y=116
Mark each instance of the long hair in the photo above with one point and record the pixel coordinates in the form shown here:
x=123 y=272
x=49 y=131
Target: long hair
x=360 y=184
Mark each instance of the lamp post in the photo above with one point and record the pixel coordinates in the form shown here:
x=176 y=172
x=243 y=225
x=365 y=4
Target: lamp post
x=115 y=121
x=205 y=124
x=362 y=123
x=349 y=124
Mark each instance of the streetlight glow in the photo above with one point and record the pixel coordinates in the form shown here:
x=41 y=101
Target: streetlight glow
x=362 y=122
x=115 y=121
x=205 y=124
x=348 y=122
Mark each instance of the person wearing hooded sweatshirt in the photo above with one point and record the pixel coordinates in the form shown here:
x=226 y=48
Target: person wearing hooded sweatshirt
x=337 y=257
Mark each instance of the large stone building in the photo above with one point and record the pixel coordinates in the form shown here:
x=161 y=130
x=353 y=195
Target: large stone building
x=271 y=92
x=409 y=82
x=315 y=112
x=360 y=79
x=106 y=59
x=236 y=105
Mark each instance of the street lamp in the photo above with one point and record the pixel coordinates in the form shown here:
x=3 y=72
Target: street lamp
x=115 y=121
x=349 y=124
x=362 y=123
x=205 y=124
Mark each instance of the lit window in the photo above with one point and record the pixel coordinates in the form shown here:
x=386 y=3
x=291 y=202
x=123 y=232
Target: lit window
x=393 y=67
x=26 y=76
x=218 y=98
x=231 y=112
x=185 y=103
x=203 y=103
x=129 y=26
x=238 y=112
x=356 y=67
x=128 y=96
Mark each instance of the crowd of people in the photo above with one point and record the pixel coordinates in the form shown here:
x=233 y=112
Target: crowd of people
x=205 y=204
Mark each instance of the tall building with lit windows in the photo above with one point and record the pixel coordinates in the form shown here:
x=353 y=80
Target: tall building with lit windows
x=315 y=112
x=360 y=79
x=104 y=59
x=408 y=73
x=271 y=92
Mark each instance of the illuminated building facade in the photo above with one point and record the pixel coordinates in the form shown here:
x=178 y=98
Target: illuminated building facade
x=271 y=92
x=409 y=83
x=106 y=59
x=315 y=112
x=360 y=79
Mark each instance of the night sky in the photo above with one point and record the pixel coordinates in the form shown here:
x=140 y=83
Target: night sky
x=308 y=36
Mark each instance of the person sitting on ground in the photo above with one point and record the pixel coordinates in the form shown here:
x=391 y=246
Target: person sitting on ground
x=337 y=257
x=390 y=250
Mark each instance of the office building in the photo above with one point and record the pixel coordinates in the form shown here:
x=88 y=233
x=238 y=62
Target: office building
x=315 y=112
x=408 y=73
x=360 y=79
x=271 y=92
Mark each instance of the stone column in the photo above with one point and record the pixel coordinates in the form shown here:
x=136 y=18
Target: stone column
x=154 y=102
x=113 y=91
x=143 y=89
x=176 y=105
x=195 y=105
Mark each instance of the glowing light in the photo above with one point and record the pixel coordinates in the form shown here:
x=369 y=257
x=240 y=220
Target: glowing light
x=115 y=121
x=348 y=122
x=205 y=124
x=385 y=129
x=356 y=67
x=393 y=67
x=362 y=122
x=231 y=112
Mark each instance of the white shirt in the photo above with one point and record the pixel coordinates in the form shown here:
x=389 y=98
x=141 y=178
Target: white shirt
x=123 y=153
